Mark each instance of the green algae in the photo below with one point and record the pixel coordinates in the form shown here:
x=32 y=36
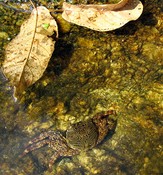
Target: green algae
x=88 y=73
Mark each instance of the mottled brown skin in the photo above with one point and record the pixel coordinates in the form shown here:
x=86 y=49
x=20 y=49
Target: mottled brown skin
x=80 y=136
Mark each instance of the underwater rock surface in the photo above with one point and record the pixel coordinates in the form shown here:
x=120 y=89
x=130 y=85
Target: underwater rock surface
x=90 y=72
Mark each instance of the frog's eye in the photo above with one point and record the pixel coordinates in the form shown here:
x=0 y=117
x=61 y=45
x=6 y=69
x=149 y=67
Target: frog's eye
x=45 y=26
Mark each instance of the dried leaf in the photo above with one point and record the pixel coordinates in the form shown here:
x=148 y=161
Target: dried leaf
x=28 y=54
x=103 y=17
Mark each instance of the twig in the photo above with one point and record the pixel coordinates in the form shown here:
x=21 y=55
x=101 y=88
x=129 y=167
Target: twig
x=29 y=11
x=32 y=4
x=15 y=9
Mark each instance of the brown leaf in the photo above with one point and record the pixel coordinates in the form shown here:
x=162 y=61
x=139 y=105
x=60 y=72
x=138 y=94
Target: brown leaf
x=28 y=54
x=103 y=17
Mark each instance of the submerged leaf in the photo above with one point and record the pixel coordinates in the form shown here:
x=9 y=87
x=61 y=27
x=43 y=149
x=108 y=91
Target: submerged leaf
x=28 y=54
x=103 y=17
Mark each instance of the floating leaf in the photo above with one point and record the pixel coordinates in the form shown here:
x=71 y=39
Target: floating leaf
x=28 y=54
x=103 y=17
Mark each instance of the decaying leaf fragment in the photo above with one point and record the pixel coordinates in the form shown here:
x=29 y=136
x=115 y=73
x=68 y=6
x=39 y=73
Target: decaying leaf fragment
x=28 y=54
x=103 y=17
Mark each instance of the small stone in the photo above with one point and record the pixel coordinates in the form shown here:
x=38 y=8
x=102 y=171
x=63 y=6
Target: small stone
x=3 y=35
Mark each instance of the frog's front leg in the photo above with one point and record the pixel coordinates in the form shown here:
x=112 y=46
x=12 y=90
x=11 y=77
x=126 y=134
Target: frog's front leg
x=54 y=157
x=64 y=153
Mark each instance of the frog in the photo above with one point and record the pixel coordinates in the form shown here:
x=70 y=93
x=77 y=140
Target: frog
x=81 y=136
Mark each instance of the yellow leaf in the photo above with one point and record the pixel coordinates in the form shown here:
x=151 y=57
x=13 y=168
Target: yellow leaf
x=103 y=17
x=28 y=54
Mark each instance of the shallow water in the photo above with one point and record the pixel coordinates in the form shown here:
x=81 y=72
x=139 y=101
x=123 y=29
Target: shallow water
x=90 y=72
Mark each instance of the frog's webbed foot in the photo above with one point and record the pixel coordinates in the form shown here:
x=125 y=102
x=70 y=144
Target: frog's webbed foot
x=42 y=136
x=43 y=139
x=34 y=146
